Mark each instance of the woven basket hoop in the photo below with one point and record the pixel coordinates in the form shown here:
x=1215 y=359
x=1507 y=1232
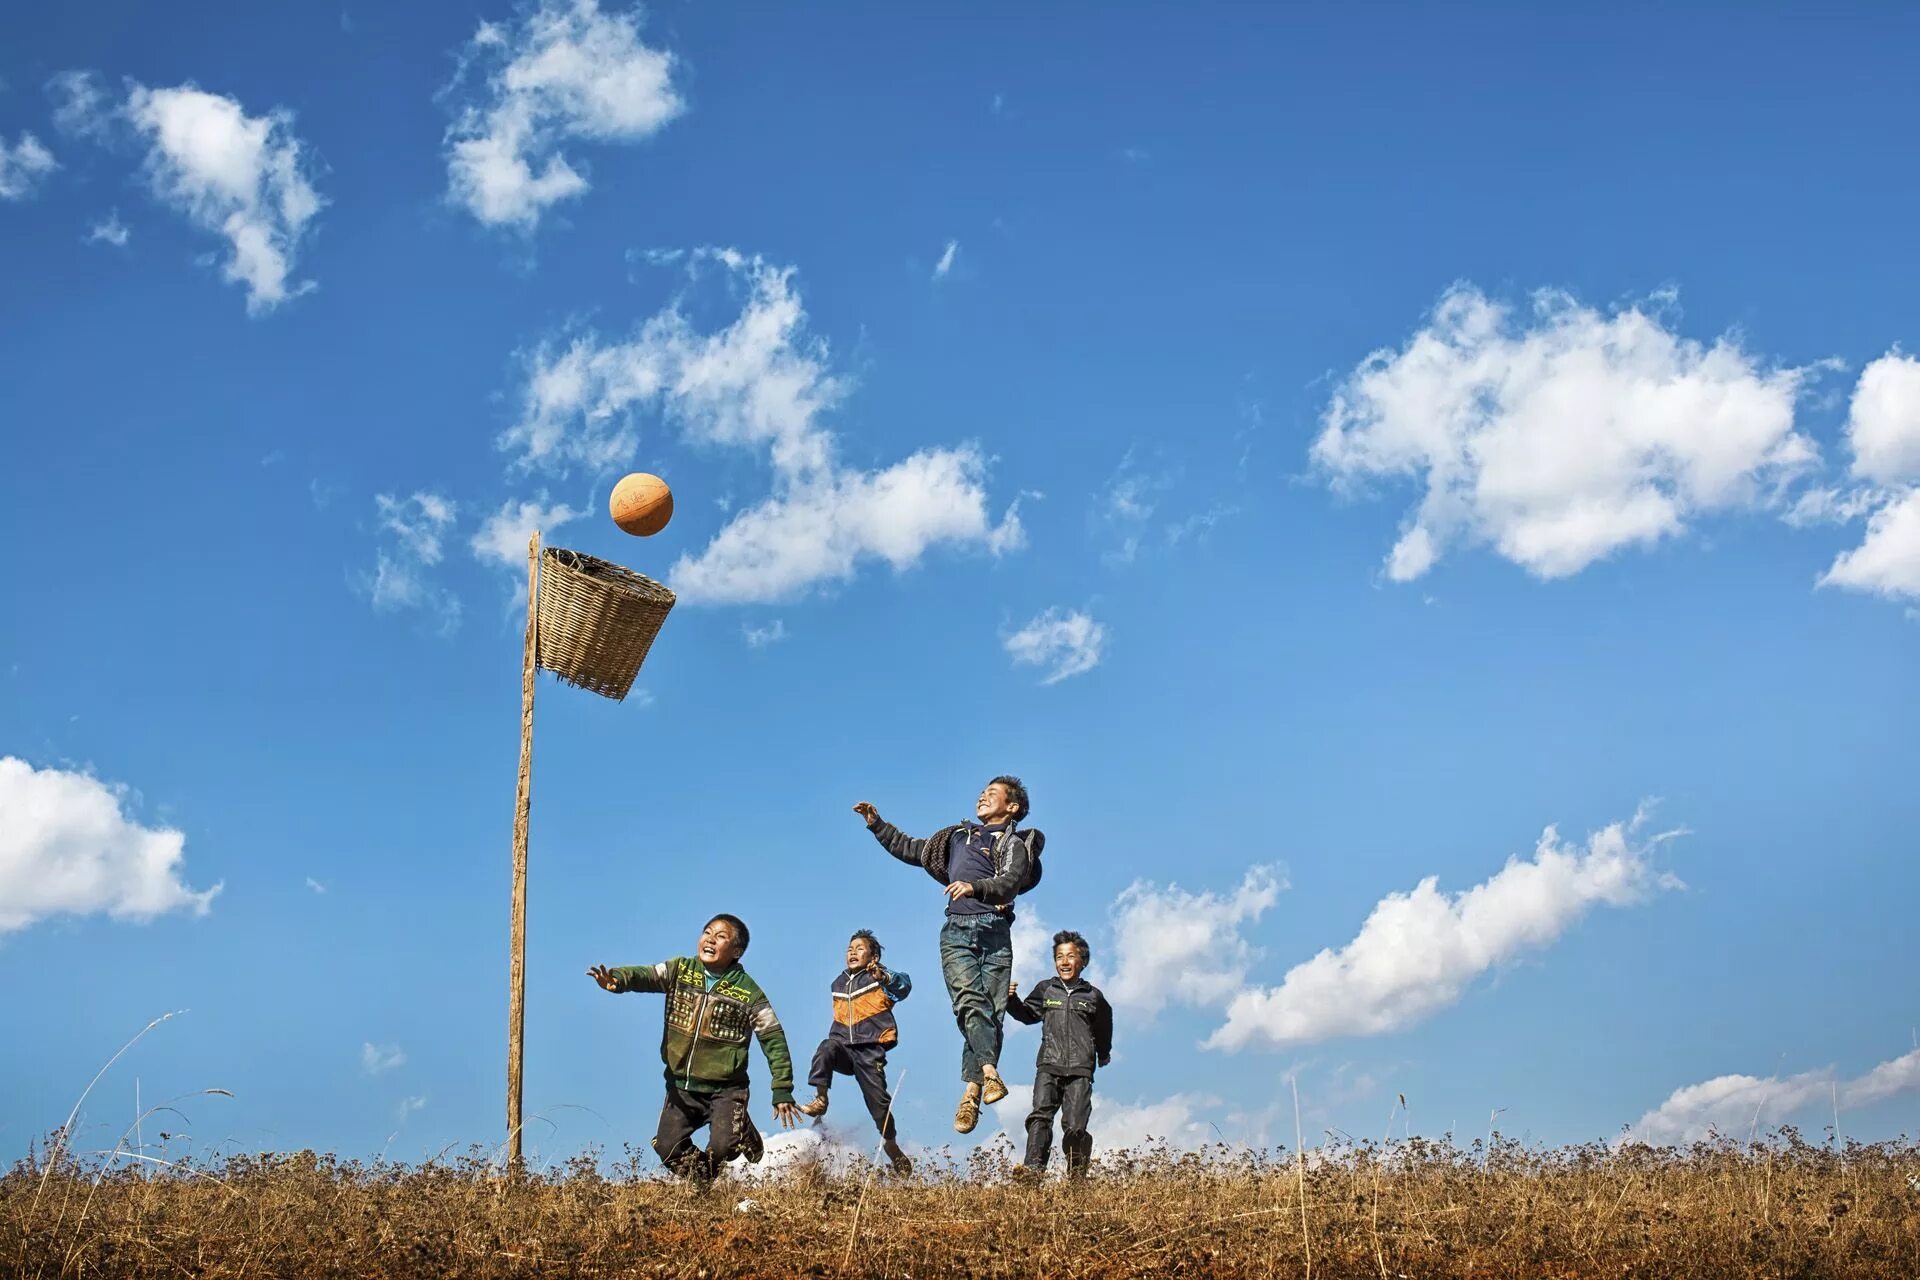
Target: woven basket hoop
x=597 y=620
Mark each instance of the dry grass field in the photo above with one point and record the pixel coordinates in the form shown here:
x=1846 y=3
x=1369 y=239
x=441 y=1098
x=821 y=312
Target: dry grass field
x=1778 y=1208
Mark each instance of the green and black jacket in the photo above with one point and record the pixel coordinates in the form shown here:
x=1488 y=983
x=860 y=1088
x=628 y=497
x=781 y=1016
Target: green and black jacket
x=704 y=1041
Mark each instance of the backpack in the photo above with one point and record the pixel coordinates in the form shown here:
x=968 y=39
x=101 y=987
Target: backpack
x=1036 y=841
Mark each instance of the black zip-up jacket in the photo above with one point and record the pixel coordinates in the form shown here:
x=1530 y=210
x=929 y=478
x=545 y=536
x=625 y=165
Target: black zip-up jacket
x=1013 y=855
x=1076 y=1026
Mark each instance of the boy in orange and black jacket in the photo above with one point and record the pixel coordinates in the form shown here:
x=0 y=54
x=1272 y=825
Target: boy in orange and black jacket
x=863 y=1030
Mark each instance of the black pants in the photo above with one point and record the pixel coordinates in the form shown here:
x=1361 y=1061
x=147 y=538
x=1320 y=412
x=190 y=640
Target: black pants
x=685 y=1113
x=866 y=1063
x=1072 y=1097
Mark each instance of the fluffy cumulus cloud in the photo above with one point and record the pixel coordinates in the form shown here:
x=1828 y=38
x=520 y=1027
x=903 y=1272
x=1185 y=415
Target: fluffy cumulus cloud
x=1887 y=562
x=415 y=528
x=1176 y=947
x=566 y=72
x=23 y=166
x=1883 y=432
x=1418 y=951
x=504 y=535
x=68 y=847
x=1737 y=1105
x=244 y=178
x=1561 y=436
x=762 y=383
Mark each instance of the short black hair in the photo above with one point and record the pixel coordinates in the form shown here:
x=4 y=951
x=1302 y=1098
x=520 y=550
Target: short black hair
x=739 y=927
x=1016 y=792
x=872 y=941
x=1066 y=936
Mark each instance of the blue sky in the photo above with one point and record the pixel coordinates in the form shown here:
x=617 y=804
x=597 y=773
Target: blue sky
x=1320 y=451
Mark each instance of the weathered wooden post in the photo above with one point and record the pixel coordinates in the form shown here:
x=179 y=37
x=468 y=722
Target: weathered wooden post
x=591 y=623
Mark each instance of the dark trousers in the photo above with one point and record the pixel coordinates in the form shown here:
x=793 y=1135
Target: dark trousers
x=685 y=1113
x=976 y=959
x=1072 y=1097
x=867 y=1064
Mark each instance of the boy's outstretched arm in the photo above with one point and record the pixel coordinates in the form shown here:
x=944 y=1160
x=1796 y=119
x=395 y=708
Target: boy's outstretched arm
x=632 y=977
x=1103 y=1031
x=897 y=985
x=773 y=1043
x=1022 y=1010
x=891 y=838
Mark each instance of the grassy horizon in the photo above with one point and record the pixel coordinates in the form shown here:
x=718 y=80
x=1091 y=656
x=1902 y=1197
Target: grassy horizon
x=1776 y=1208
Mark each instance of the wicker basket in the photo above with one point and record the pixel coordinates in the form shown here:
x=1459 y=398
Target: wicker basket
x=597 y=620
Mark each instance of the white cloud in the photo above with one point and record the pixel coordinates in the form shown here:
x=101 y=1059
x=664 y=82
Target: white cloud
x=1070 y=644
x=1126 y=505
x=419 y=521
x=1887 y=563
x=242 y=177
x=761 y=637
x=378 y=1059
x=504 y=535
x=567 y=72
x=23 y=166
x=80 y=105
x=820 y=526
x=1032 y=948
x=408 y=1106
x=1176 y=1121
x=1736 y=1105
x=109 y=230
x=762 y=383
x=945 y=265
x=68 y=847
x=1418 y=951
x=400 y=580
x=1883 y=430
x=1562 y=438
x=315 y=885
x=1883 y=421
x=1175 y=947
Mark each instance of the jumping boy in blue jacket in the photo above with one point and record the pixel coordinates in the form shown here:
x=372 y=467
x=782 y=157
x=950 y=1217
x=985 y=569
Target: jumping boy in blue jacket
x=863 y=1030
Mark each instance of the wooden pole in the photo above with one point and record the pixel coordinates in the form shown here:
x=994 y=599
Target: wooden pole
x=523 y=800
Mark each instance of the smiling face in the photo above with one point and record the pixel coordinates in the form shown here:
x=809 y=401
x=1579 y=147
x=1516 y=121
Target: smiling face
x=1067 y=961
x=995 y=805
x=719 y=945
x=859 y=954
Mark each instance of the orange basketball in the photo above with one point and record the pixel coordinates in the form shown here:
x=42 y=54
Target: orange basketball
x=641 y=504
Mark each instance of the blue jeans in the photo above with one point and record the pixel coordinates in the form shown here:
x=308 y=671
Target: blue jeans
x=976 y=959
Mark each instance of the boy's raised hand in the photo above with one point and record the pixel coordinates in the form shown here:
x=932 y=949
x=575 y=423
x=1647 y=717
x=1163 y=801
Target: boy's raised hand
x=606 y=980
x=868 y=814
x=787 y=1113
x=1013 y=988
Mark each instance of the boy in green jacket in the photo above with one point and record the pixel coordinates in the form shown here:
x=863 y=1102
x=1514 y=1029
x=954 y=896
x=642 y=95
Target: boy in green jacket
x=712 y=1005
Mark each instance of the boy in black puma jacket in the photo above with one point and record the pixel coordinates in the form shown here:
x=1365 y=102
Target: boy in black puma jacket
x=1076 y=1035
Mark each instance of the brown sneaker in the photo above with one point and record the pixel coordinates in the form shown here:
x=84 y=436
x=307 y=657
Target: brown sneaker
x=816 y=1108
x=967 y=1114
x=902 y=1167
x=994 y=1090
